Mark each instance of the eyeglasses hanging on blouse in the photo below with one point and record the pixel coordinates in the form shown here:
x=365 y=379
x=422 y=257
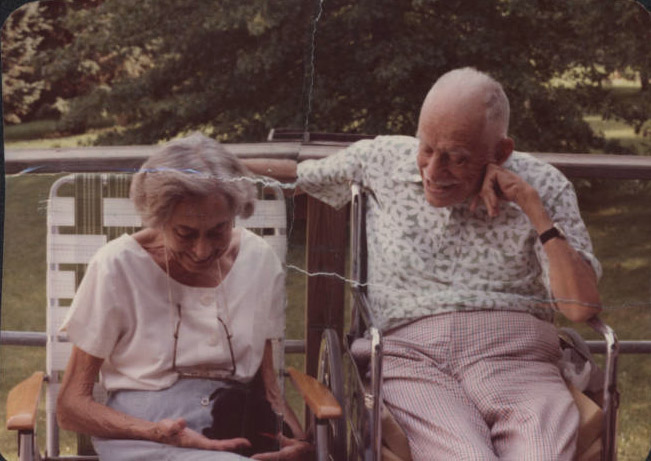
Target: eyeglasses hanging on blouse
x=199 y=372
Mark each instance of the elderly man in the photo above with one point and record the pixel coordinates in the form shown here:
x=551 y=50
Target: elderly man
x=472 y=247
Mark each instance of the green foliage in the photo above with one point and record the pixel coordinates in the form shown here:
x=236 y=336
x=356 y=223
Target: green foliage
x=29 y=130
x=32 y=34
x=21 y=35
x=235 y=69
x=378 y=59
x=173 y=66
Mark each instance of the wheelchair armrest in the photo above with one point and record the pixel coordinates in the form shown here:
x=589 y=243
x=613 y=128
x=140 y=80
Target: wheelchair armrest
x=320 y=400
x=612 y=353
x=612 y=344
x=22 y=403
x=611 y=394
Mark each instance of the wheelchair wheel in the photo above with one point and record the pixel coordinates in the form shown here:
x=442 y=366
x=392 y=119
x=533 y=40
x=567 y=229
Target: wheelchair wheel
x=330 y=373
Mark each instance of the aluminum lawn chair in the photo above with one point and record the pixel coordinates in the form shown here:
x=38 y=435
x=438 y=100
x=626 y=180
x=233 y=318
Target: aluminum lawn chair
x=85 y=211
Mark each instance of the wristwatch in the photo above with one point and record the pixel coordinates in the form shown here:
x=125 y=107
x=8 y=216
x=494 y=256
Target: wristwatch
x=553 y=232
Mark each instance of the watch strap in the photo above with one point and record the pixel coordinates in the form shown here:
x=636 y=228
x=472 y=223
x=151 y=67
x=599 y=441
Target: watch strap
x=550 y=233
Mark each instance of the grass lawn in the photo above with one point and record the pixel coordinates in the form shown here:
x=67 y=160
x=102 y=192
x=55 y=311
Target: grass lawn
x=619 y=220
x=37 y=134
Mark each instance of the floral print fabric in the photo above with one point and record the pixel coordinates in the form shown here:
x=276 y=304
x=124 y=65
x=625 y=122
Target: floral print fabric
x=425 y=260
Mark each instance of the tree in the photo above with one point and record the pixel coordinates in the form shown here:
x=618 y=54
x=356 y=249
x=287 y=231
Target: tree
x=228 y=67
x=234 y=68
x=392 y=52
x=614 y=38
x=30 y=33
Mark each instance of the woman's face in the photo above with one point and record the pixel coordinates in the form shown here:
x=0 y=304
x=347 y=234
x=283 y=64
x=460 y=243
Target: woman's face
x=199 y=232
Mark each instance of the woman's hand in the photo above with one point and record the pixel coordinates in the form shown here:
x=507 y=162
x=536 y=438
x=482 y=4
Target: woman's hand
x=175 y=432
x=291 y=450
x=77 y=411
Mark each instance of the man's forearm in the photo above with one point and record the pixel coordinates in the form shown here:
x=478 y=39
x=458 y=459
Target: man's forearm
x=572 y=279
x=280 y=169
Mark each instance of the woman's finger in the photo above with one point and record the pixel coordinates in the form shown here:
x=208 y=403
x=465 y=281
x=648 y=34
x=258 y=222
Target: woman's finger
x=231 y=444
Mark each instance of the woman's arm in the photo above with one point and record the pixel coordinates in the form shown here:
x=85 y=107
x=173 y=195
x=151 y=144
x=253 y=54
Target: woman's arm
x=77 y=411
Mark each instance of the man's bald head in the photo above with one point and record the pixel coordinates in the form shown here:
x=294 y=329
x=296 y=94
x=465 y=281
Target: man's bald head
x=462 y=89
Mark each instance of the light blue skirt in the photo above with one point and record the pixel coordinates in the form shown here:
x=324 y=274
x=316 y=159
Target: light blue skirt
x=187 y=398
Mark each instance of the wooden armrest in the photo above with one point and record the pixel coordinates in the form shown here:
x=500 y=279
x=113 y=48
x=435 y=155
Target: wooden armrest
x=320 y=400
x=22 y=402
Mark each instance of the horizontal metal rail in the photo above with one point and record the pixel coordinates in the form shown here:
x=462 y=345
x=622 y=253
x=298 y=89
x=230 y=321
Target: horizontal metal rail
x=72 y=458
x=39 y=338
x=297 y=346
x=625 y=347
x=23 y=338
x=129 y=158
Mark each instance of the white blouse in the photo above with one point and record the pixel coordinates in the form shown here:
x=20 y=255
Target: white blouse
x=123 y=313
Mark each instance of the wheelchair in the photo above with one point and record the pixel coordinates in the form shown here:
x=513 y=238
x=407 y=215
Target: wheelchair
x=367 y=432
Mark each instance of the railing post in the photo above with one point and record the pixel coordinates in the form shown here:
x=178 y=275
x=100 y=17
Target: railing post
x=326 y=252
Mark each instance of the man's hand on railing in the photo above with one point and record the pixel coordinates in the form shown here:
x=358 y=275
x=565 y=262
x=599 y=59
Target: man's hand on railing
x=281 y=169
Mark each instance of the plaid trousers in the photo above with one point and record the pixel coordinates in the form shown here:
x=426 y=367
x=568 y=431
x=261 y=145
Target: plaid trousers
x=480 y=385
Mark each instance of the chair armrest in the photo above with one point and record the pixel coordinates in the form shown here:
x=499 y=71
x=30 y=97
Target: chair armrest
x=320 y=400
x=612 y=354
x=598 y=325
x=22 y=403
x=611 y=394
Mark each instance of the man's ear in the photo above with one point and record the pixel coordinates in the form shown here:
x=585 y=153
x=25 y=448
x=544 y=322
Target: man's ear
x=503 y=150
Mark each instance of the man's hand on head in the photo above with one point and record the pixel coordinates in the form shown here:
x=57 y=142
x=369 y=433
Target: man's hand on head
x=502 y=184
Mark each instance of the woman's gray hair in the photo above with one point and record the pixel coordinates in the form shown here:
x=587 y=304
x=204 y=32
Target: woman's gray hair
x=195 y=166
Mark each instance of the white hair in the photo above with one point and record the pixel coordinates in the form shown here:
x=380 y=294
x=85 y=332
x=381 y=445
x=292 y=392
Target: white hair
x=194 y=166
x=468 y=82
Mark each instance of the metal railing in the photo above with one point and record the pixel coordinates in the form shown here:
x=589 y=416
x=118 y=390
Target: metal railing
x=129 y=158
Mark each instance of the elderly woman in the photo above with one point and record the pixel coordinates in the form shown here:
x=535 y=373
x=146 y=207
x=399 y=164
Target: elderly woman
x=178 y=319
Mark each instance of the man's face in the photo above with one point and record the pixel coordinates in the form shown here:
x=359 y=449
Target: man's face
x=452 y=156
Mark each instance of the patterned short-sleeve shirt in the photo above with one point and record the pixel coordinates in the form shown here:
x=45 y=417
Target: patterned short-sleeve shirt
x=425 y=260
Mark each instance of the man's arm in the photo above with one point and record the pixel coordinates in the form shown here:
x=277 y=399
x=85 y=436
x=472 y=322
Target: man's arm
x=572 y=279
x=280 y=169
